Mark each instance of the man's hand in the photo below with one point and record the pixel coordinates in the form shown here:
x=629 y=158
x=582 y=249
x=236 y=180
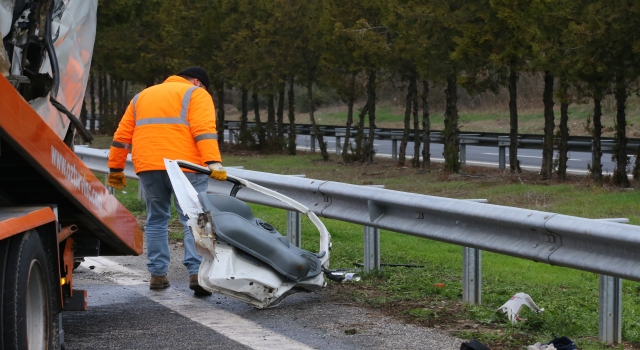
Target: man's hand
x=217 y=172
x=117 y=180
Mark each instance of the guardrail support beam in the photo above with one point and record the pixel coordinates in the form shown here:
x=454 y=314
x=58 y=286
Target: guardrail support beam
x=471 y=275
x=610 y=315
x=312 y=145
x=231 y=137
x=338 y=146
x=394 y=149
x=371 y=249
x=110 y=189
x=463 y=154
x=294 y=228
x=501 y=157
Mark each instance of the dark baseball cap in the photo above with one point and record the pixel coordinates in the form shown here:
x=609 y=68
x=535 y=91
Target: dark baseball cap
x=198 y=73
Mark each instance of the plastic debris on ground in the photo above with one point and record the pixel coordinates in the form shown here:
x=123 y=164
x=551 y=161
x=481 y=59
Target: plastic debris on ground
x=563 y=343
x=342 y=275
x=514 y=305
x=473 y=344
x=539 y=346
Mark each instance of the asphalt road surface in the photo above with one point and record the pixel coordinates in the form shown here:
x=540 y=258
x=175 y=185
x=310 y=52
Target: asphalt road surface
x=124 y=314
x=530 y=159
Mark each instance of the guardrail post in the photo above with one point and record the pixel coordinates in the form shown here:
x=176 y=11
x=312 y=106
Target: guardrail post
x=231 y=137
x=372 y=244
x=371 y=249
x=294 y=228
x=463 y=154
x=110 y=189
x=394 y=149
x=338 y=147
x=312 y=145
x=471 y=275
x=501 y=157
x=610 y=315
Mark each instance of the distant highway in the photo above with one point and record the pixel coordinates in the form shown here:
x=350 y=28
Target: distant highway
x=530 y=159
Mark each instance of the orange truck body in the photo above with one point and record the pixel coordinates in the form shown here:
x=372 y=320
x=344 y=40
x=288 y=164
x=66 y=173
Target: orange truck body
x=39 y=169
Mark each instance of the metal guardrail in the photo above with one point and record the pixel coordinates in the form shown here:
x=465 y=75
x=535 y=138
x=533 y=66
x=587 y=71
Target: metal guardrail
x=500 y=140
x=606 y=247
x=601 y=246
x=591 y=245
x=575 y=143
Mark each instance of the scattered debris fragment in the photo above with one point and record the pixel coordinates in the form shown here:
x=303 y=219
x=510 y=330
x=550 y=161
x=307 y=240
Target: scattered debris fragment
x=563 y=343
x=341 y=275
x=473 y=344
x=513 y=306
x=392 y=265
x=539 y=346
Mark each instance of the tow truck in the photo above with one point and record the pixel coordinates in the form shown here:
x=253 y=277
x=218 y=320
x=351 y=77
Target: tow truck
x=53 y=210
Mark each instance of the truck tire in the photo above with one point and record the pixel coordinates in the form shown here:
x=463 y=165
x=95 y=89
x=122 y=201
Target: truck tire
x=26 y=310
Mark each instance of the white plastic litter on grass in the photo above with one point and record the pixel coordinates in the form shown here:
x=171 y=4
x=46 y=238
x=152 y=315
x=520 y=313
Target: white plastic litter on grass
x=514 y=305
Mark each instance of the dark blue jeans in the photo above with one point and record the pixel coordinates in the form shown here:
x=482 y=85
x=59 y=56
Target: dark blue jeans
x=157 y=190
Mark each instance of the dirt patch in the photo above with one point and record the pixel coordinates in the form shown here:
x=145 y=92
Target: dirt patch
x=434 y=312
x=430 y=311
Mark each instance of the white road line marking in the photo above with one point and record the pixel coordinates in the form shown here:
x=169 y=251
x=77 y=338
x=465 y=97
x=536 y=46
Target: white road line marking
x=226 y=323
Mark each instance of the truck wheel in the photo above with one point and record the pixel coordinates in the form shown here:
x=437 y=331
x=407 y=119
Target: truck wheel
x=26 y=311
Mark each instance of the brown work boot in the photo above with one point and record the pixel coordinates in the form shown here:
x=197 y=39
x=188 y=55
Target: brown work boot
x=197 y=288
x=159 y=282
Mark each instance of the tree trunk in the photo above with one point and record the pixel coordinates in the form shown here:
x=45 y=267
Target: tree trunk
x=83 y=114
x=291 y=146
x=347 y=136
x=416 y=125
x=451 y=131
x=271 y=122
x=244 y=135
x=636 y=165
x=92 y=96
x=314 y=126
x=101 y=97
x=123 y=93
x=596 y=133
x=112 y=106
x=620 y=153
x=564 y=130
x=256 y=112
x=125 y=100
x=280 y=116
x=513 y=122
x=546 y=171
x=371 y=91
x=220 y=111
x=426 y=127
x=359 y=153
x=119 y=101
x=407 y=125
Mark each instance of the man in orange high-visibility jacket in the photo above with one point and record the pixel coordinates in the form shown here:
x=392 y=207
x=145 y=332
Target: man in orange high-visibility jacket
x=173 y=120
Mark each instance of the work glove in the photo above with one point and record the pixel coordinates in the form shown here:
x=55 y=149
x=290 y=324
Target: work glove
x=217 y=172
x=117 y=180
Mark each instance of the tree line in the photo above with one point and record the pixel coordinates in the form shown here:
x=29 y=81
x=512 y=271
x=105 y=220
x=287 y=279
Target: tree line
x=586 y=50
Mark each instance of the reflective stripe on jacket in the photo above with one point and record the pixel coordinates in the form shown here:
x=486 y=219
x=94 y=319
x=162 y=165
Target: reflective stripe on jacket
x=173 y=120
